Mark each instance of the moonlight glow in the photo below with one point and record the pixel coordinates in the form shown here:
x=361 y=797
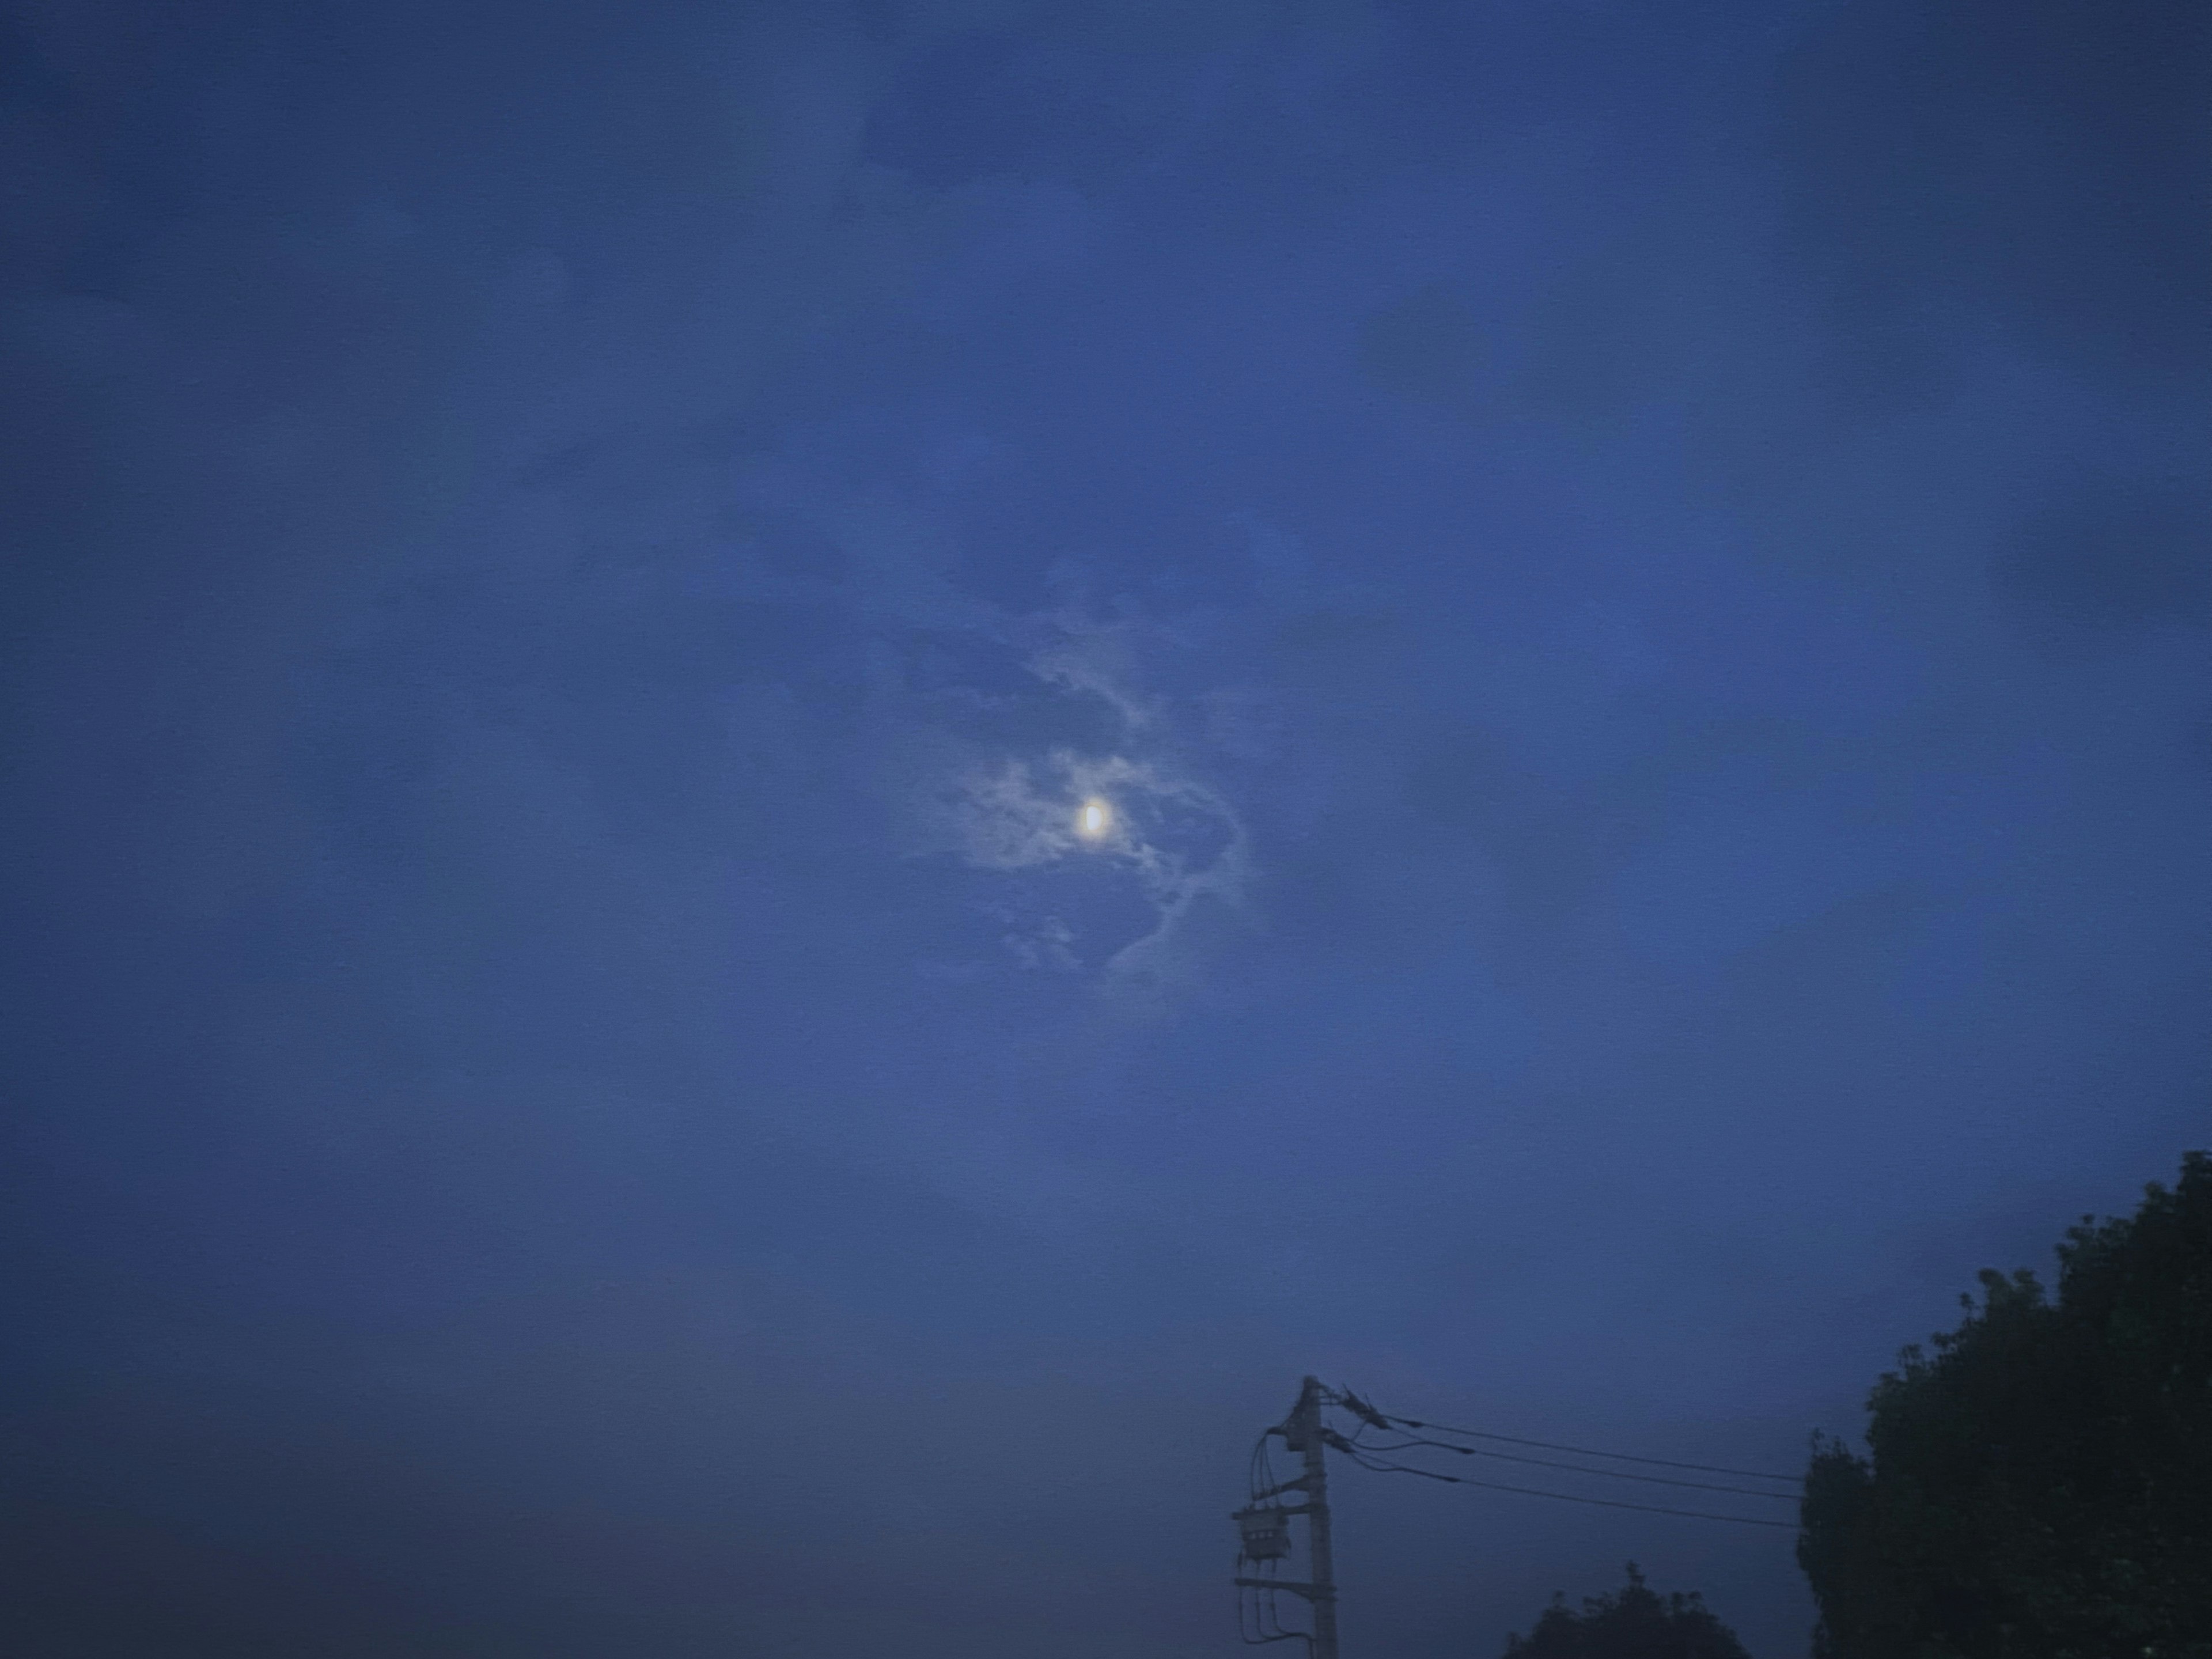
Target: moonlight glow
x=1093 y=819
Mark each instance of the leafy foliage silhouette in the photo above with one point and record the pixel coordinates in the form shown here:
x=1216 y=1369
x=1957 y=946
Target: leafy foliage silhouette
x=2041 y=1484
x=1635 y=1622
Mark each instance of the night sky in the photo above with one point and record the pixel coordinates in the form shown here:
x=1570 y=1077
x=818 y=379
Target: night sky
x=1634 y=579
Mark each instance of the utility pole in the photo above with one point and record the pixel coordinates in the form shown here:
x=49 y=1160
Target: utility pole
x=1266 y=1534
x=1305 y=1424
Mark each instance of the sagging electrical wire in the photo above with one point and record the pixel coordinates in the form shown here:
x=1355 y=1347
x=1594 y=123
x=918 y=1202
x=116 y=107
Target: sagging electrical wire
x=1265 y=1619
x=1275 y=1618
x=1409 y=1441
x=1258 y=1622
x=1262 y=1473
x=1265 y=1624
x=1263 y=1614
x=1579 y=1451
x=1376 y=1464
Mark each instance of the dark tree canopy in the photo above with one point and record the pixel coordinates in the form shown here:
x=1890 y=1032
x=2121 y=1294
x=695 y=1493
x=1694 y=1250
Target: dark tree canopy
x=2041 y=1485
x=1635 y=1622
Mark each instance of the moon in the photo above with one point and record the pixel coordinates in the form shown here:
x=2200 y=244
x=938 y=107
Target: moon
x=1094 y=818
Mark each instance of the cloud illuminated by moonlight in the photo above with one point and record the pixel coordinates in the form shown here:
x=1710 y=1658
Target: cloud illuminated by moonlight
x=1178 y=840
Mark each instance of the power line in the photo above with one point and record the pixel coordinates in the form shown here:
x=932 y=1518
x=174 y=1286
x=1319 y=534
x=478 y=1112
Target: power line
x=1307 y=1430
x=1260 y=1622
x=1568 y=1497
x=1547 y=1463
x=1264 y=1614
x=1381 y=1467
x=1585 y=1451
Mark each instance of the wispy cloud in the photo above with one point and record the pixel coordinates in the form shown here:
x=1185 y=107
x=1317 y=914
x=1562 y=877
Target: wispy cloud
x=1169 y=837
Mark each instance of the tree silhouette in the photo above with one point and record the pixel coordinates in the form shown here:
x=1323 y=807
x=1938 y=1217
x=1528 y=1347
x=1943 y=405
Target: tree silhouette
x=1633 y=1623
x=2041 y=1485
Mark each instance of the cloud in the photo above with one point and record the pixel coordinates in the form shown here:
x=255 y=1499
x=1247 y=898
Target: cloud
x=1045 y=947
x=1174 y=839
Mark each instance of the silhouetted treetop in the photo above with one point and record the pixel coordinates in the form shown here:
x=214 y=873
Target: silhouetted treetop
x=2041 y=1483
x=1635 y=1622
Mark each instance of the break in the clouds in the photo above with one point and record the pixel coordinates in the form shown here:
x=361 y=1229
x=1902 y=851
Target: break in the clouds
x=1175 y=840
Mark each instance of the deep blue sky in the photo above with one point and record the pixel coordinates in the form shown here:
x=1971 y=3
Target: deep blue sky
x=1637 y=577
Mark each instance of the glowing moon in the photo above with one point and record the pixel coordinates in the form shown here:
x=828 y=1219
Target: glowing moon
x=1093 y=819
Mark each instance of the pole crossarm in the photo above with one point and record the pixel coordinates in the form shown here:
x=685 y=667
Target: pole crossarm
x=1311 y=1592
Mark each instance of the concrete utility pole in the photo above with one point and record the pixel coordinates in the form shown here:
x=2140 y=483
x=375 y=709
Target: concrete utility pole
x=1303 y=1432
